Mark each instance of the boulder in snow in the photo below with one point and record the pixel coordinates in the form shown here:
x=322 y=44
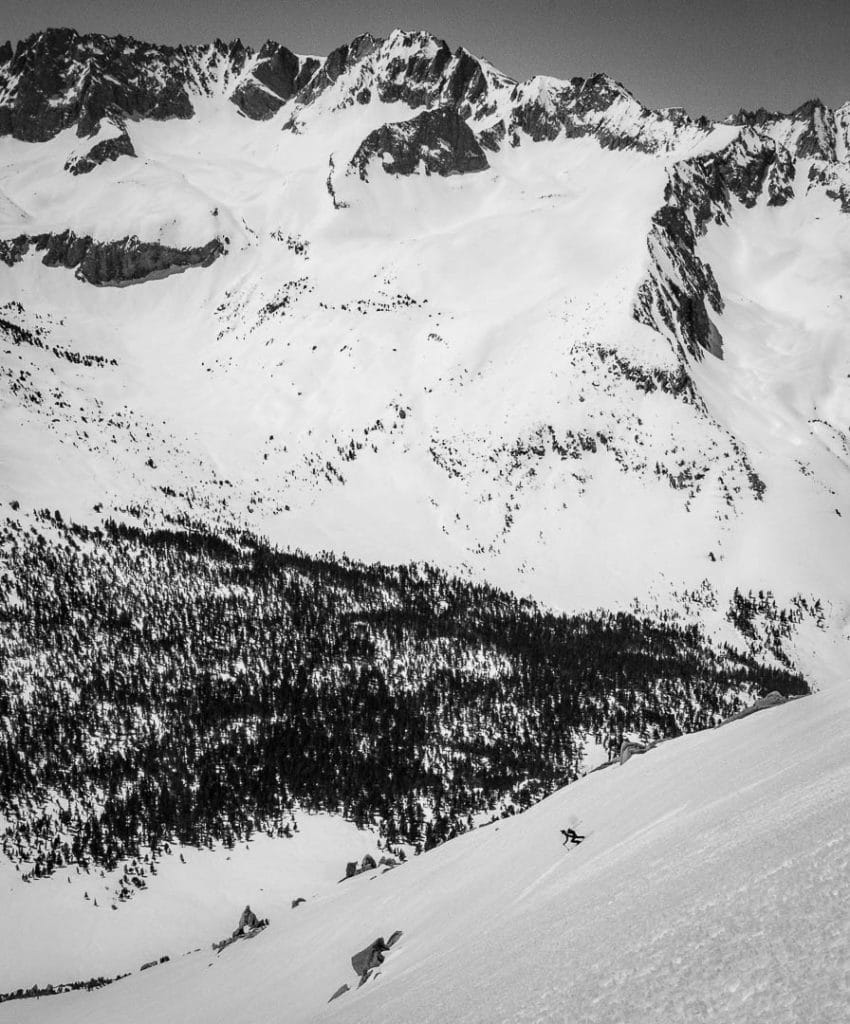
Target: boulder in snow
x=370 y=957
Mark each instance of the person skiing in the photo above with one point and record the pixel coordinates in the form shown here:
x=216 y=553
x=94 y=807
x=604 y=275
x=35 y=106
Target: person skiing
x=571 y=836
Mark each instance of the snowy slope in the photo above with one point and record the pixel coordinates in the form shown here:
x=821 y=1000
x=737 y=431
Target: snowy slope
x=196 y=898
x=712 y=885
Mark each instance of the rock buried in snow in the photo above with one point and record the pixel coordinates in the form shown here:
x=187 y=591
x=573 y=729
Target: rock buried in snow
x=368 y=863
x=297 y=902
x=249 y=925
x=769 y=701
x=248 y=921
x=339 y=992
x=370 y=957
x=393 y=939
x=154 y=963
x=628 y=749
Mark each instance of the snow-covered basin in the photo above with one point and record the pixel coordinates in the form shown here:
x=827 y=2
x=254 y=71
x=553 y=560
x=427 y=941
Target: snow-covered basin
x=713 y=885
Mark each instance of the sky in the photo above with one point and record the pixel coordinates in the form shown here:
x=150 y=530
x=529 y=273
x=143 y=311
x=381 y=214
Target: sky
x=710 y=57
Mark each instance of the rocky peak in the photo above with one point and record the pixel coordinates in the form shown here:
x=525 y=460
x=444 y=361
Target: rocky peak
x=817 y=138
x=336 y=64
x=809 y=131
x=277 y=75
x=58 y=78
x=414 y=68
x=545 y=108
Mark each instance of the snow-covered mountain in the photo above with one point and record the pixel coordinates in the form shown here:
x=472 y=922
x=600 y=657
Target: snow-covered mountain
x=393 y=305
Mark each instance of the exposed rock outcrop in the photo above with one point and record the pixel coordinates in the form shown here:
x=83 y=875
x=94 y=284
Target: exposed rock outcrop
x=629 y=748
x=58 y=78
x=276 y=77
x=368 y=863
x=809 y=132
x=249 y=925
x=680 y=291
x=108 y=149
x=438 y=141
x=154 y=963
x=248 y=921
x=545 y=108
x=414 y=68
x=126 y=261
x=370 y=957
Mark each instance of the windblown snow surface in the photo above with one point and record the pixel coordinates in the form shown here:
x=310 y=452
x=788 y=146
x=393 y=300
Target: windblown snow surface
x=712 y=886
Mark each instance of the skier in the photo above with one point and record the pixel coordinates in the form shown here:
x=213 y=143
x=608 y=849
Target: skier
x=571 y=836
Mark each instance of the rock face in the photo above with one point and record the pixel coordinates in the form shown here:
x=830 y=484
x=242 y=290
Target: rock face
x=276 y=77
x=338 y=61
x=109 y=149
x=812 y=131
x=58 y=78
x=439 y=141
x=423 y=70
x=128 y=261
x=680 y=298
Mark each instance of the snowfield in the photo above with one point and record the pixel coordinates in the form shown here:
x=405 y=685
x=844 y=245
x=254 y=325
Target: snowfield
x=713 y=885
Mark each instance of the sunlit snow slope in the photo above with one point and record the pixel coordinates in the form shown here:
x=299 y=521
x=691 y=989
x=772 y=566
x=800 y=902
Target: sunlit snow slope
x=712 y=886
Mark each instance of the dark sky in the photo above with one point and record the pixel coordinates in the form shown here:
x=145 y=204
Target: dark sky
x=711 y=57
